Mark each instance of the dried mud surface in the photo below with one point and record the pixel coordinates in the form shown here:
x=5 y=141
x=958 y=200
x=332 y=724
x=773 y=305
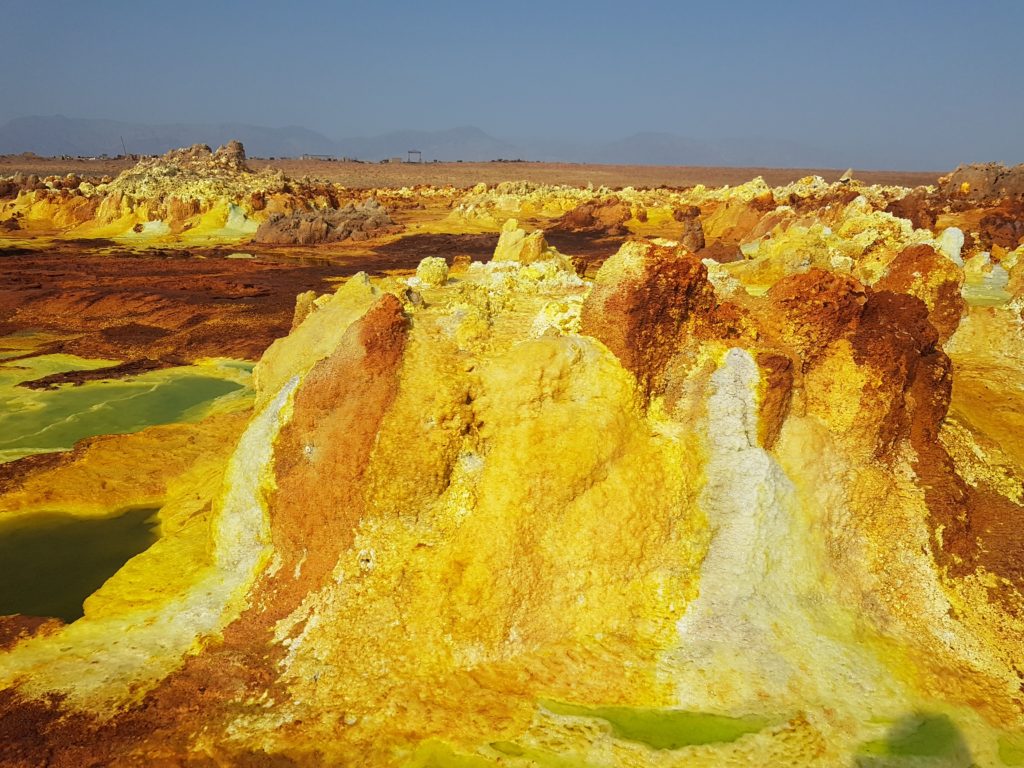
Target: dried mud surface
x=169 y=309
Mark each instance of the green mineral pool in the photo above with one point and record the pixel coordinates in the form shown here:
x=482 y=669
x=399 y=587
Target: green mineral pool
x=53 y=561
x=43 y=420
x=919 y=737
x=665 y=728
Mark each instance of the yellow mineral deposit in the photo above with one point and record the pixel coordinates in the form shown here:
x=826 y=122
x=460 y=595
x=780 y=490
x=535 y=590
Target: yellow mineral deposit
x=675 y=512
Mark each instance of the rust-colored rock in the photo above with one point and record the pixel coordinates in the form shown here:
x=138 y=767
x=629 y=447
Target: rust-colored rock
x=911 y=383
x=915 y=206
x=931 y=277
x=643 y=300
x=777 y=375
x=722 y=252
x=811 y=309
x=337 y=414
x=1003 y=226
x=607 y=216
x=14 y=629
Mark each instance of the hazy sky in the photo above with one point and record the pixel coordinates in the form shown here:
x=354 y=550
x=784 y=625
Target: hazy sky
x=907 y=84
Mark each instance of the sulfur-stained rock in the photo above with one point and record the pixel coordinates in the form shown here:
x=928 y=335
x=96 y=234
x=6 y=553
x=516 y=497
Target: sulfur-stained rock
x=921 y=272
x=305 y=303
x=432 y=271
x=811 y=309
x=1015 y=275
x=644 y=298
x=515 y=244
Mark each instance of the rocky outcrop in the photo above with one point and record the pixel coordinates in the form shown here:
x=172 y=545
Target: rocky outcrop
x=231 y=155
x=692 y=234
x=353 y=222
x=607 y=216
x=645 y=298
x=933 y=278
x=184 y=196
x=983 y=183
x=516 y=244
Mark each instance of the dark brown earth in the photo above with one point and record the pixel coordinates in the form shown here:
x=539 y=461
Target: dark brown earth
x=154 y=310
x=168 y=309
x=131 y=368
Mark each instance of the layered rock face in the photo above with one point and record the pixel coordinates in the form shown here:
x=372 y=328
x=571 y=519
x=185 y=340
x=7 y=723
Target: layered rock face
x=756 y=511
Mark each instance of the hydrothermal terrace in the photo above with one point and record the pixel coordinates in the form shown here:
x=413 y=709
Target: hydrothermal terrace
x=521 y=475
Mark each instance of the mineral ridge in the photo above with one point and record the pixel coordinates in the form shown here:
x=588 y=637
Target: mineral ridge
x=665 y=510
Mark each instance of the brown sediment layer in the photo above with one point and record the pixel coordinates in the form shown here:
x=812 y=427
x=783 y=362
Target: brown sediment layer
x=166 y=310
x=14 y=473
x=97 y=374
x=14 y=629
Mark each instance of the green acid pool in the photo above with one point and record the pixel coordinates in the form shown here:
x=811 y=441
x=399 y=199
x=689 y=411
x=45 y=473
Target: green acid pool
x=43 y=420
x=665 y=728
x=922 y=738
x=53 y=561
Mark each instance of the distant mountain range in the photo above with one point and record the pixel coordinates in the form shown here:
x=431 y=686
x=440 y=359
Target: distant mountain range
x=59 y=135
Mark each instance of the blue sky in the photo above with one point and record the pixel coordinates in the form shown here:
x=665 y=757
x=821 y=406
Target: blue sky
x=898 y=84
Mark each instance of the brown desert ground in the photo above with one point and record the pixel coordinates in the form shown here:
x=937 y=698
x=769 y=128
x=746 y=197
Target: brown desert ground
x=391 y=175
